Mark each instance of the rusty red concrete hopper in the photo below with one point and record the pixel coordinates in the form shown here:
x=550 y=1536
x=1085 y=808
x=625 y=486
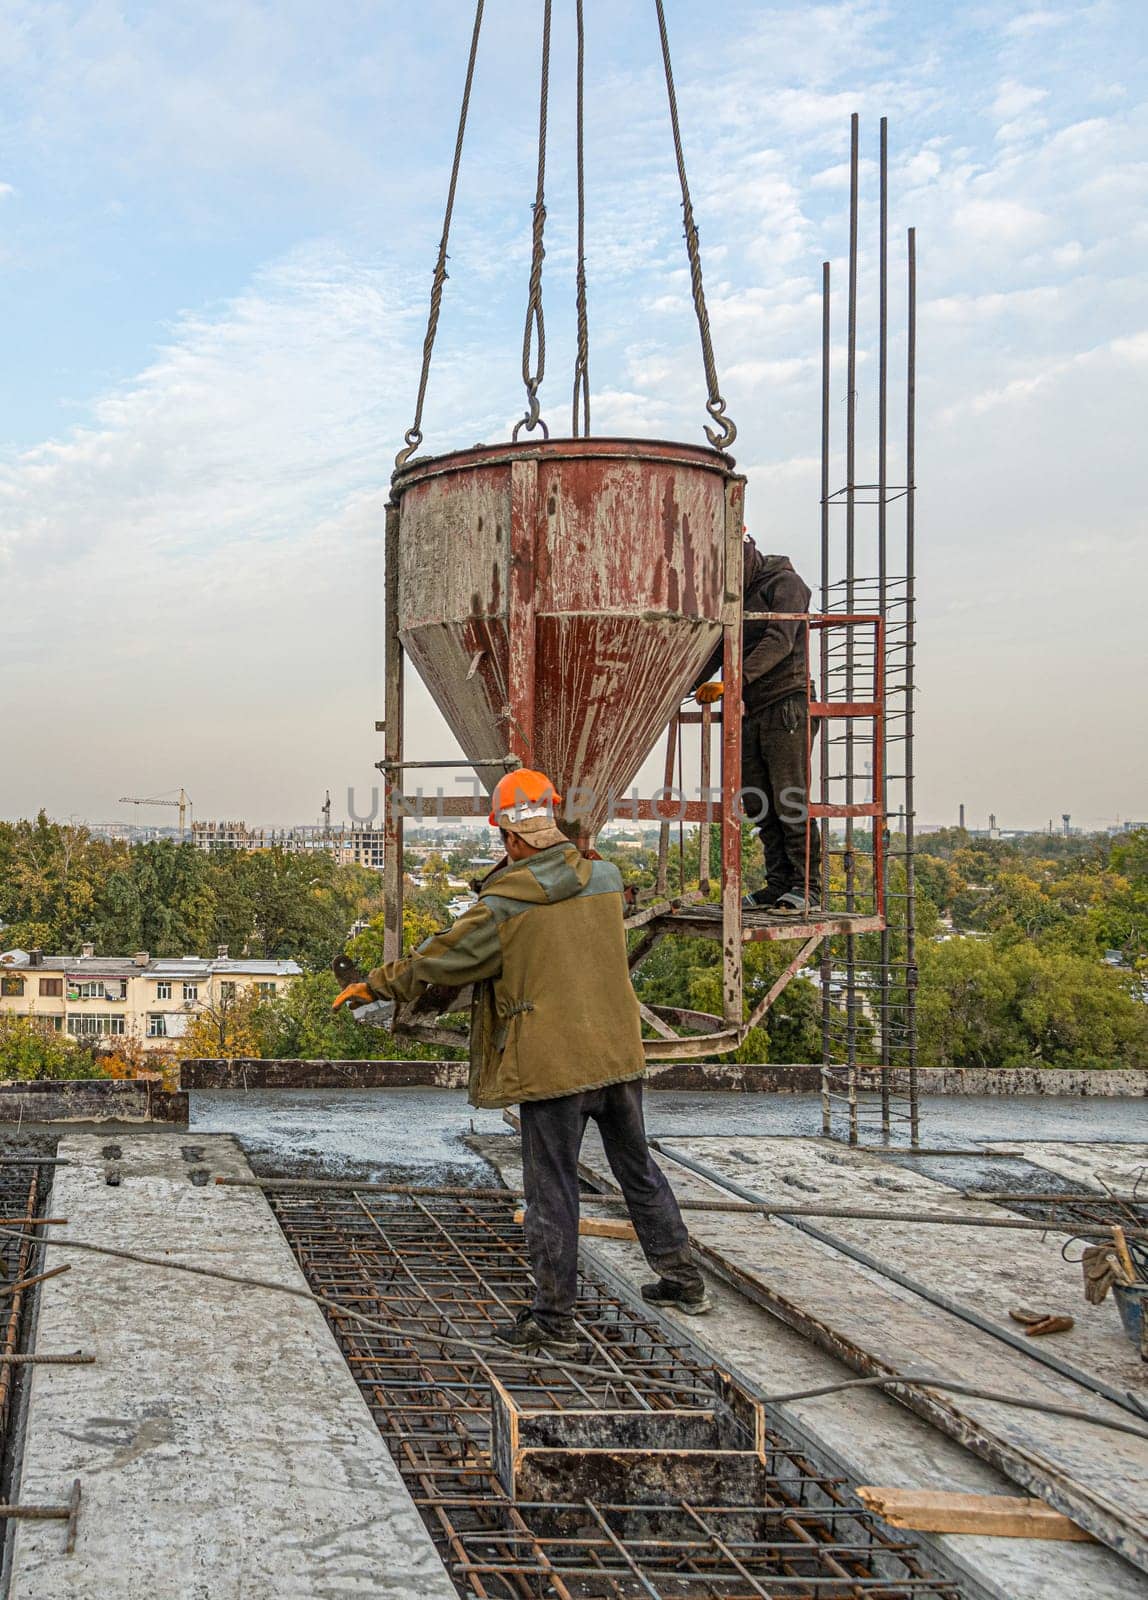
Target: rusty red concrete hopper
x=558 y=599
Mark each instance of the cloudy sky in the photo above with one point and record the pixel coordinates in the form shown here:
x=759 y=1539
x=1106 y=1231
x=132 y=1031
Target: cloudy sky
x=217 y=224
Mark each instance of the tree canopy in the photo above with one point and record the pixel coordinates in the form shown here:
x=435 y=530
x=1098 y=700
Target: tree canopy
x=61 y=887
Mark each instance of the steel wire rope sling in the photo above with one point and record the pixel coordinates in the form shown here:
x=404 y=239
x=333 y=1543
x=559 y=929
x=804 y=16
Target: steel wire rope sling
x=535 y=322
x=534 y=334
x=582 y=356
x=414 y=435
x=715 y=405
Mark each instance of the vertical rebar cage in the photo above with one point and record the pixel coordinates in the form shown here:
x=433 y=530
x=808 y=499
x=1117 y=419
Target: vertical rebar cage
x=869 y=981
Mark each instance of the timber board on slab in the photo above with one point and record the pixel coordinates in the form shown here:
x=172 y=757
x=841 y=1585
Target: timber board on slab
x=859 y=1434
x=988 y=1270
x=934 y=1511
x=222 y=1445
x=1097 y=1476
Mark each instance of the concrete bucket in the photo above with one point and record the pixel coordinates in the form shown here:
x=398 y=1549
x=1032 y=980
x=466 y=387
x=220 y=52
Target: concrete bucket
x=558 y=599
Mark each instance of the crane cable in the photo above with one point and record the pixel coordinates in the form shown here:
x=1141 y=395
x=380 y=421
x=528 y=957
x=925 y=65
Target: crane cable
x=413 y=436
x=715 y=405
x=534 y=335
x=535 y=324
x=582 y=357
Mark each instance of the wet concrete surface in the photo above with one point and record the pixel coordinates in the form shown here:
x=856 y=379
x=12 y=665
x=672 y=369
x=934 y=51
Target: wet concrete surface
x=416 y=1135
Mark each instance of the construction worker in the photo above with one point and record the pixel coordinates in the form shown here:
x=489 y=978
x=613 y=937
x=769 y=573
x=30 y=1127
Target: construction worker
x=775 y=731
x=555 y=1028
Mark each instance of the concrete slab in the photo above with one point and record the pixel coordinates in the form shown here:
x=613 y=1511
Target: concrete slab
x=866 y=1435
x=366 y=1132
x=1120 y=1166
x=222 y=1446
x=913 y=1336
x=988 y=1270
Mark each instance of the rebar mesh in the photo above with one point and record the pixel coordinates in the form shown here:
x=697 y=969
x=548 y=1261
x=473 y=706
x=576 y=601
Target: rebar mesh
x=23 y=1185
x=450 y=1269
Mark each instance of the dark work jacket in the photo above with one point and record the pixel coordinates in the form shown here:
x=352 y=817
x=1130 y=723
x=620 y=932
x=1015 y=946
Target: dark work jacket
x=774 y=654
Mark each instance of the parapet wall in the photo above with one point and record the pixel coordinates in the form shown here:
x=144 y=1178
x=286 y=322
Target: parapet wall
x=770 y=1077
x=91 y=1100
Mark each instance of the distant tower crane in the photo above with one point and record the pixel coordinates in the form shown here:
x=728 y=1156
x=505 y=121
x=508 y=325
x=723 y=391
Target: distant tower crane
x=183 y=803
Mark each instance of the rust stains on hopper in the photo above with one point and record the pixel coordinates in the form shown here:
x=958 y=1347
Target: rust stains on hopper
x=558 y=599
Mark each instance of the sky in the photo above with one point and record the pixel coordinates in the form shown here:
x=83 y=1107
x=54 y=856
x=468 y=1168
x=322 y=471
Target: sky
x=217 y=229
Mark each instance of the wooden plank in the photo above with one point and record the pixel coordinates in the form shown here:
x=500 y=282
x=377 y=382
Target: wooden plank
x=597 y=1227
x=996 y=1516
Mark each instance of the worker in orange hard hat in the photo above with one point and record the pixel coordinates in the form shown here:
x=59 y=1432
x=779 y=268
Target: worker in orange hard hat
x=775 y=730
x=555 y=1028
x=527 y=800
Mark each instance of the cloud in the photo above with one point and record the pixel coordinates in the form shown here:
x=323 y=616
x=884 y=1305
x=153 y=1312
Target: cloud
x=1042 y=301
x=192 y=575
x=1014 y=98
x=1037 y=20
x=1130 y=351
x=1000 y=222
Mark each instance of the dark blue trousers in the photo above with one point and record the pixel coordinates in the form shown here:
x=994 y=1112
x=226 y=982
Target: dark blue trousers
x=552 y=1133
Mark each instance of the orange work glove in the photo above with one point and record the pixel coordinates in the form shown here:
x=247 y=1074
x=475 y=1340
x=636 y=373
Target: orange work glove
x=354 y=995
x=709 y=694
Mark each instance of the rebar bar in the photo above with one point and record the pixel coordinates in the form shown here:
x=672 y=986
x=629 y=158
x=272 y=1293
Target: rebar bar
x=869 y=982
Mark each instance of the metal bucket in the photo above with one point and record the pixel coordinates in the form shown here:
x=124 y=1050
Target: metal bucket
x=1130 y=1300
x=559 y=598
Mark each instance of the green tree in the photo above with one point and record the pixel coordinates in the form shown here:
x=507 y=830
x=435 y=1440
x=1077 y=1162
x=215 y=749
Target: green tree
x=298 y=1024
x=51 y=874
x=984 y=1004
x=29 y=1049
x=275 y=903
x=160 y=899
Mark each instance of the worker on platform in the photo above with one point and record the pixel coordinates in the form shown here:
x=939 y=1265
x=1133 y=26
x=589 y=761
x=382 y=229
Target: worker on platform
x=555 y=1028
x=775 y=731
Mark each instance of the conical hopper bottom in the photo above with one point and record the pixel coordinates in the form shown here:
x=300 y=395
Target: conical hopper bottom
x=560 y=599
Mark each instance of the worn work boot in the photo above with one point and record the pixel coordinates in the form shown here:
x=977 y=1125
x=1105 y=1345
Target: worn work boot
x=795 y=904
x=690 y=1298
x=760 y=900
x=527 y=1333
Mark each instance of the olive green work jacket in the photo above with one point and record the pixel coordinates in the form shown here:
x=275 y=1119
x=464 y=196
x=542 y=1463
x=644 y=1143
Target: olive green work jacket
x=554 y=1011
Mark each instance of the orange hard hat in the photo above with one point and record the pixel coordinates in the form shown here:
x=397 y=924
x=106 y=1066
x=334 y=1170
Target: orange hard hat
x=526 y=793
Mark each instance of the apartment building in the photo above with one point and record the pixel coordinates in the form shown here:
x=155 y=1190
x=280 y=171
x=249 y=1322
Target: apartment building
x=358 y=845
x=152 y=1002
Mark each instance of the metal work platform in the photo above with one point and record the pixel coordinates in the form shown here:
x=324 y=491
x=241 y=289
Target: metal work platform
x=615 y=1436
x=705 y=922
